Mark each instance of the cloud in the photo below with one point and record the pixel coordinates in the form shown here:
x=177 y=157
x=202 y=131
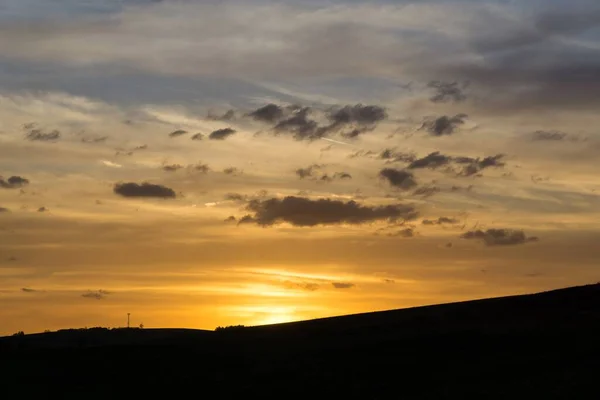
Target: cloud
x=447 y=92
x=300 y=211
x=4 y=210
x=308 y=286
x=440 y=221
x=469 y=165
x=343 y=285
x=432 y=160
x=553 y=136
x=42 y=209
x=229 y=115
x=41 y=136
x=444 y=125
x=474 y=166
x=145 y=189
x=221 y=134
x=405 y=233
x=100 y=139
x=309 y=171
x=235 y=197
x=177 y=133
x=499 y=237
x=269 y=113
x=359 y=118
x=96 y=295
x=198 y=136
x=398 y=178
x=172 y=167
x=392 y=155
x=200 y=167
x=427 y=191
x=516 y=53
x=14 y=182
x=232 y=171
x=29 y=290
x=342 y=175
x=300 y=126
x=355 y=119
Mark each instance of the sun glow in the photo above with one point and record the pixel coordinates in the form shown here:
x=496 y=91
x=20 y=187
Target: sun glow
x=266 y=315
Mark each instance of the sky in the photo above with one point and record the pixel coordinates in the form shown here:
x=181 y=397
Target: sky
x=209 y=163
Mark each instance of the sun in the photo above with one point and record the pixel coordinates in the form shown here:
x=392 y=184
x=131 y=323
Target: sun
x=274 y=315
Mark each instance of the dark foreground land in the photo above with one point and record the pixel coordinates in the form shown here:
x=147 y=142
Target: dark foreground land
x=541 y=346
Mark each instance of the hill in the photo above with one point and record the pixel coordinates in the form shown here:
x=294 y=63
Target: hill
x=544 y=345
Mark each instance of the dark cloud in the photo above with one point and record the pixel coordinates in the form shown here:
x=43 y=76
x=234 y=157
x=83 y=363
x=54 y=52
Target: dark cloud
x=389 y=281
x=548 y=135
x=145 y=189
x=432 y=160
x=547 y=61
x=440 y=221
x=447 y=91
x=269 y=113
x=427 y=191
x=300 y=126
x=554 y=136
x=405 y=233
x=14 y=182
x=362 y=153
x=101 y=139
x=235 y=197
x=499 y=237
x=177 y=133
x=96 y=295
x=456 y=188
x=232 y=171
x=358 y=114
x=300 y=211
x=228 y=115
x=4 y=210
x=42 y=209
x=308 y=286
x=231 y=218
x=357 y=118
x=198 y=136
x=36 y=134
x=172 y=167
x=398 y=178
x=392 y=155
x=443 y=125
x=200 y=167
x=29 y=290
x=342 y=175
x=315 y=172
x=221 y=134
x=343 y=285
x=309 y=171
x=354 y=133
x=475 y=165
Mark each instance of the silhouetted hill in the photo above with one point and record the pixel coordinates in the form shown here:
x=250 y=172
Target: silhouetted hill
x=545 y=345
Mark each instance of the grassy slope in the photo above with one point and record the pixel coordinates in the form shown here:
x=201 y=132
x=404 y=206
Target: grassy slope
x=542 y=346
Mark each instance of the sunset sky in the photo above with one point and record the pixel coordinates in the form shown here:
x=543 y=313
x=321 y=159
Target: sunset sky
x=204 y=163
